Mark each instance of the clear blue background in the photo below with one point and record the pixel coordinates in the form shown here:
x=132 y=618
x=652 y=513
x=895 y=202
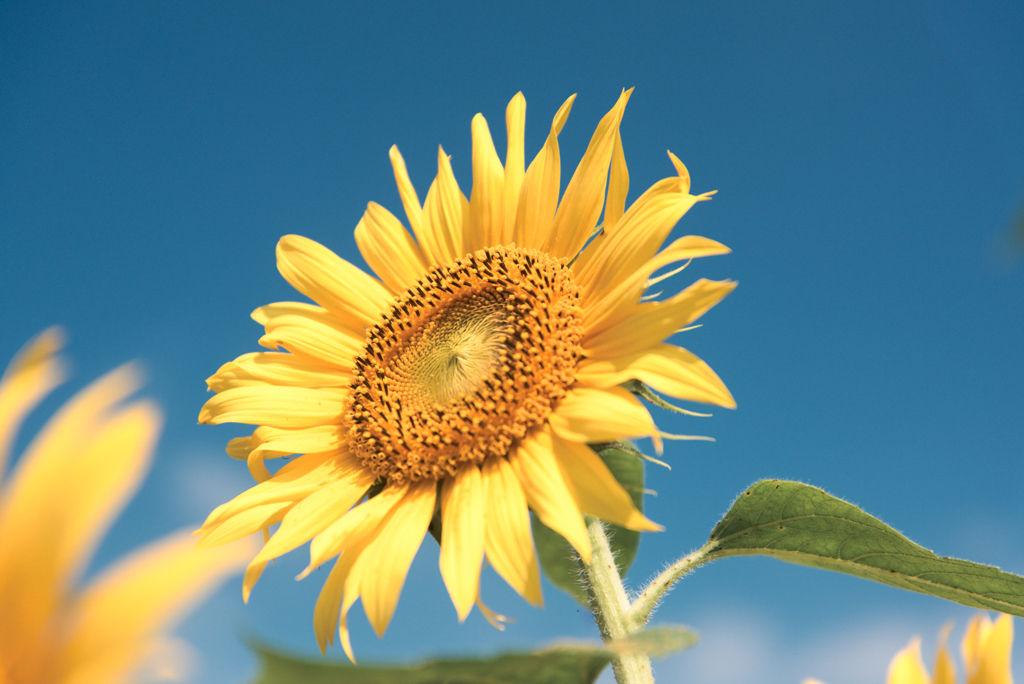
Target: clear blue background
x=869 y=158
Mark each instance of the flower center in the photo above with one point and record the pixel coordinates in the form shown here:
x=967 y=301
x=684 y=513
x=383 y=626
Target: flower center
x=465 y=363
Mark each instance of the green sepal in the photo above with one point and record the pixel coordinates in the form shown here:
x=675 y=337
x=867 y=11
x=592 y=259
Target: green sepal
x=559 y=561
x=559 y=665
x=802 y=524
x=645 y=392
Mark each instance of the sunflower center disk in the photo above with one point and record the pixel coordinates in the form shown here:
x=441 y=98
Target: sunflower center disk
x=465 y=363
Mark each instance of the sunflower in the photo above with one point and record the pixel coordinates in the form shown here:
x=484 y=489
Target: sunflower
x=63 y=493
x=468 y=377
x=986 y=651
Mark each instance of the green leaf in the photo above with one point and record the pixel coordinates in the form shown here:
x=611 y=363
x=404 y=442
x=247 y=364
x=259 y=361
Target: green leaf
x=559 y=665
x=559 y=560
x=802 y=524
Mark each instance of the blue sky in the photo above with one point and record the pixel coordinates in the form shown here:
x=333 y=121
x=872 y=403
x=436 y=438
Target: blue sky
x=869 y=158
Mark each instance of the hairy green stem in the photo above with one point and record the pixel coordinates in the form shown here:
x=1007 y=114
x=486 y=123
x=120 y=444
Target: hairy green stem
x=640 y=612
x=610 y=605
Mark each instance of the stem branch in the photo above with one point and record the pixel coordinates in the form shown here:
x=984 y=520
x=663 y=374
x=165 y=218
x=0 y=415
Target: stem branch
x=640 y=612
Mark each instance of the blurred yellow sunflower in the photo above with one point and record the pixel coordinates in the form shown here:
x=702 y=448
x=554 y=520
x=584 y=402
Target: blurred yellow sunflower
x=62 y=495
x=468 y=377
x=986 y=651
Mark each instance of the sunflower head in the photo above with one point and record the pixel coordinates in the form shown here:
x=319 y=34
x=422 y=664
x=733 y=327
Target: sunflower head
x=470 y=374
x=464 y=365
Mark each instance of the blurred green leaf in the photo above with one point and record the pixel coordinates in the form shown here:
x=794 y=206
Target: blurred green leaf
x=655 y=642
x=802 y=524
x=559 y=665
x=552 y=666
x=557 y=558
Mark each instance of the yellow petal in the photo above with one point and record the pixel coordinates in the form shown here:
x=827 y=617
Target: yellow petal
x=316 y=512
x=264 y=313
x=389 y=249
x=907 y=667
x=282 y=407
x=442 y=239
x=507 y=536
x=381 y=568
x=666 y=368
x=485 y=225
x=319 y=439
x=639 y=234
x=320 y=342
x=462 y=536
x=547 y=492
x=354 y=297
x=655 y=321
x=538 y=197
x=240 y=447
x=608 y=304
x=609 y=300
x=244 y=523
x=602 y=415
x=252 y=574
x=274 y=368
x=358 y=524
x=410 y=201
x=296 y=480
x=31 y=375
x=143 y=594
x=583 y=200
x=328 y=604
x=496 y=619
x=618 y=186
x=595 y=488
x=515 y=160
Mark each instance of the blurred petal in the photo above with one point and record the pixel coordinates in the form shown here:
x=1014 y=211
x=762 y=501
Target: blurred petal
x=907 y=667
x=145 y=593
x=31 y=375
x=945 y=672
